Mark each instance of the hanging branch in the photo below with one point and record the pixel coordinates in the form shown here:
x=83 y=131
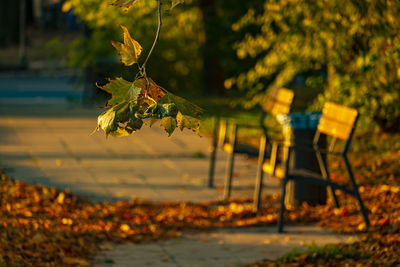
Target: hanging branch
x=142 y=69
x=133 y=102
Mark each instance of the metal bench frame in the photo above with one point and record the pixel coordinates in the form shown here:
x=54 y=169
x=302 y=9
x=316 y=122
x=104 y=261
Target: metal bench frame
x=327 y=126
x=278 y=101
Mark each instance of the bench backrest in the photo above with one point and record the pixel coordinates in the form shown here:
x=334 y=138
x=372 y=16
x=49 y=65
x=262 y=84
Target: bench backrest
x=337 y=121
x=279 y=101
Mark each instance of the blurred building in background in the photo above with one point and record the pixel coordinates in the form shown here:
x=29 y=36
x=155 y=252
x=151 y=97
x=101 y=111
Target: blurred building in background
x=33 y=14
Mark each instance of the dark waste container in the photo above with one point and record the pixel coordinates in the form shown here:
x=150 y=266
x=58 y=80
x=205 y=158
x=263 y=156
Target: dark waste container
x=299 y=129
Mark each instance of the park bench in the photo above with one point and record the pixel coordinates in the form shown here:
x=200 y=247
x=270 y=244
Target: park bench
x=338 y=123
x=278 y=101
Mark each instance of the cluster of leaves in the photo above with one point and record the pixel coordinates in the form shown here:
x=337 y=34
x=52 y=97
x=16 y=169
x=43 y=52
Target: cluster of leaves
x=133 y=102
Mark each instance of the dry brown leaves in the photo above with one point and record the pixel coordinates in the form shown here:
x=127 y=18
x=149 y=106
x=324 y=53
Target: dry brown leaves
x=42 y=226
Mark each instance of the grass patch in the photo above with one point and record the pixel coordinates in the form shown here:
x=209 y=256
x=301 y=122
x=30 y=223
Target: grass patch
x=315 y=253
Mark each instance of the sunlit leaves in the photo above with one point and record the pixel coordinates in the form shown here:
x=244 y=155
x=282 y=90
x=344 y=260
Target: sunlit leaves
x=124 y=3
x=119 y=120
x=185 y=121
x=169 y=124
x=174 y=3
x=130 y=50
x=184 y=106
x=132 y=102
x=121 y=91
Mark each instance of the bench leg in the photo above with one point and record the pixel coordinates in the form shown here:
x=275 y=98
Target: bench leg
x=282 y=209
x=357 y=194
x=325 y=173
x=287 y=153
x=230 y=164
x=213 y=153
x=260 y=174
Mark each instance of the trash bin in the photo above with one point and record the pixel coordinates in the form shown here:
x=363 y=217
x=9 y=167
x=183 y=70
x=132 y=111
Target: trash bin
x=299 y=128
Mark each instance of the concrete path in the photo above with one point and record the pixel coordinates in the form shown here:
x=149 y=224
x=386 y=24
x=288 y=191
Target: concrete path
x=225 y=247
x=51 y=145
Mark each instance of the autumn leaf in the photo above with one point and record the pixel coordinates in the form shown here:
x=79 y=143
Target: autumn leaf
x=174 y=3
x=119 y=120
x=130 y=50
x=169 y=124
x=185 y=107
x=106 y=121
x=121 y=91
x=153 y=90
x=124 y=3
x=184 y=121
x=188 y=114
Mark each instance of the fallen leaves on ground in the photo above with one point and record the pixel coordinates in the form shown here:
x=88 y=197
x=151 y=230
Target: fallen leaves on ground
x=42 y=226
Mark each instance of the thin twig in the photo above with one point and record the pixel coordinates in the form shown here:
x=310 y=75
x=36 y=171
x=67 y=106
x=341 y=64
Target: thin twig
x=142 y=69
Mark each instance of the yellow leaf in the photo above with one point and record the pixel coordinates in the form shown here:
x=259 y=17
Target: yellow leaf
x=153 y=228
x=228 y=148
x=361 y=227
x=130 y=50
x=76 y=261
x=58 y=162
x=395 y=189
x=66 y=221
x=60 y=198
x=125 y=228
x=66 y=6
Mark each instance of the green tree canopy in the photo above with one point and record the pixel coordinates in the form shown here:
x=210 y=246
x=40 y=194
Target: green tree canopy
x=350 y=47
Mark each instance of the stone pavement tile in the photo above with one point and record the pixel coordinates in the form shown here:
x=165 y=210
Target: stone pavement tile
x=94 y=192
x=13 y=150
x=228 y=247
x=69 y=176
x=57 y=163
x=224 y=247
x=150 y=254
x=45 y=150
x=25 y=169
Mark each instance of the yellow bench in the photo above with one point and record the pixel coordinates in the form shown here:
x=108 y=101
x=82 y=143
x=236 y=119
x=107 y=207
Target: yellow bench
x=278 y=101
x=338 y=122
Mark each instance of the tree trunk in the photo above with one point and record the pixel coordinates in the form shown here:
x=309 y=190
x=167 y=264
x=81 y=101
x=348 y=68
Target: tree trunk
x=213 y=77
x=9 y=21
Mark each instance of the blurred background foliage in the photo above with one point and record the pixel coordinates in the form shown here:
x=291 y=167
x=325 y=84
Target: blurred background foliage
x=348 y=48
x=342 y=51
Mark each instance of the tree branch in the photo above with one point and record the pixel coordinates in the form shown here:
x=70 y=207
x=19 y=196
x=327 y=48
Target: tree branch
x=156 y=38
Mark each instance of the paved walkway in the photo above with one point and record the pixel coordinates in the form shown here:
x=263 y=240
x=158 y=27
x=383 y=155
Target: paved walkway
x=51 y=145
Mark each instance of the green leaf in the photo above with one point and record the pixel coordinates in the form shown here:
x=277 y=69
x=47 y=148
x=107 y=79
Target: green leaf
x=119 y=120
x=184 y=107
x=124 y=3
x=130 y=50
x=174 y=3
x=106 y=122
x=184 y=121
x=160 y=111
x=169 y=123
x=121 y=91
